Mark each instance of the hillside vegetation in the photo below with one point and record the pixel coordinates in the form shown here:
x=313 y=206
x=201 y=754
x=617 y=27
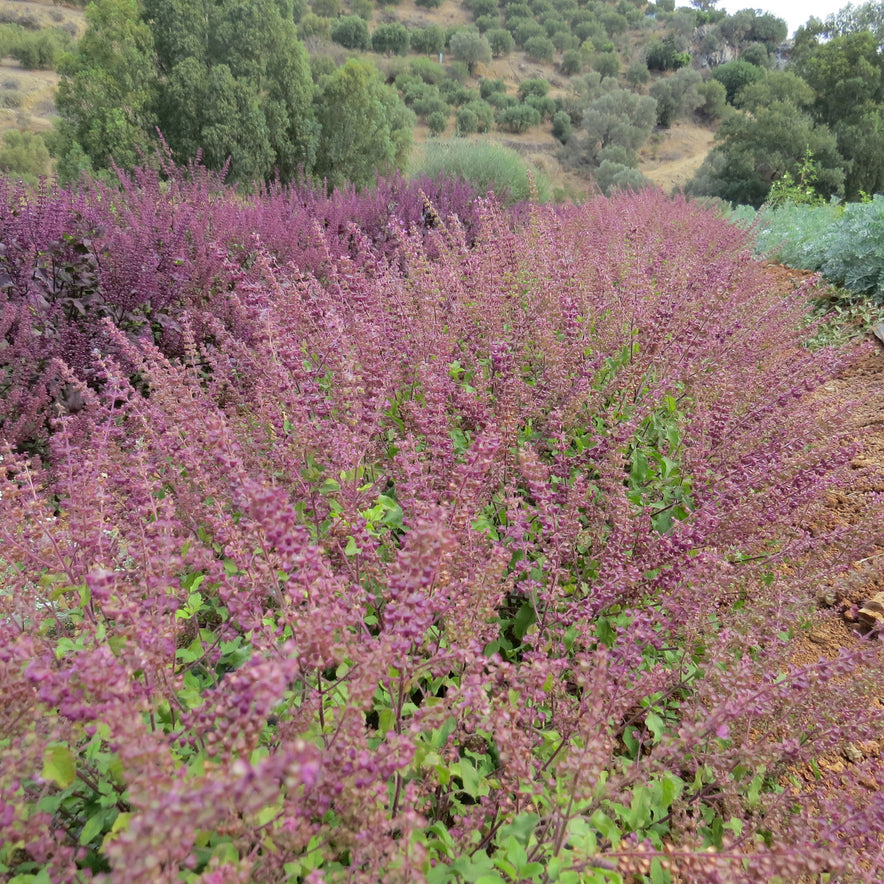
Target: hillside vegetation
x=581 y=88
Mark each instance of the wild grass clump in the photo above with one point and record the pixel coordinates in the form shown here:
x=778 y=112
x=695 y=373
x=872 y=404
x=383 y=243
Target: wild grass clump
x=487 y=167
x=474 y=562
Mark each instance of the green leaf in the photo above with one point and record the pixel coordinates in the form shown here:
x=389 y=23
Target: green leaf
x=59 y=766
x=352 y=549
x=524 y=619
x=655 y=725
x=93 y=827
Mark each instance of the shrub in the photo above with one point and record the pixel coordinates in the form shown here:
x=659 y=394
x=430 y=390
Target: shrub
x=428 y=4
x=456 y=93
x=735 y=75
x=362 y=8
x=486 y=23
x=526 y=30
x=467 y=121
x=501 y=41
x=429 y=70
x=458 y=71
x=471 y=48
x=845 y=244
x=437 y=122
x=540 y=49
x=519 y=118
x=607 y=64
x=483 y=112
x=428 y=104
x=757 y=54
x=666 y=54
x=533 y=86
x=429 y=40
x=501 y=100
x=312 y=25
x=562 y=127
x=351 y=31
x=488 y=86
x=40 y=50
x=390 y=39
x=24 y=154
x=485 y=166
x=714 y=99
x=637 y=73
x=484 y=7
x=326 y=8
x=572 y=63
x=543 y=104
x=564 y=40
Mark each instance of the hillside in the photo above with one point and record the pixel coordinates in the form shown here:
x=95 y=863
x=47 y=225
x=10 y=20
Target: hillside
x=670 y=157
x=581 y=93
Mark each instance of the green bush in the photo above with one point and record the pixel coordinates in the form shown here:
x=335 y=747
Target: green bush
x=467 y=122
x=502 y=100
x=456 y=94
x=313 y=25
x=607 y=64
x=429 y=70
x=484 y=114
x=637 y=73
x=322 y=66
x=458 y=71
x=471 y=48
x=519 y=118
x=735 y=75
x=540 y=49
x=564 y=41
x=429 y=40
x=390 y=39
x=484 y=7
x=543 y=104
x=351 y=32
x=36 y=51
x=488 y=87
x=487 y=167
x=534 y=86
x=24 y=154
x=572 y=63
x=714 y=99
x=437 y=122
x=562 y=127
x=362 y=8
x=487 y=22
x=501 y=41
x=667 y=54
x=526 y=30
x=326 y=8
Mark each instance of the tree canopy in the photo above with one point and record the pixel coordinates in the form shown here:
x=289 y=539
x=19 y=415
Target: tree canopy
x=365 y=129
x=225 y=78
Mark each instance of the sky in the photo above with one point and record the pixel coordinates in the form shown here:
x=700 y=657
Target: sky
x=795 y=12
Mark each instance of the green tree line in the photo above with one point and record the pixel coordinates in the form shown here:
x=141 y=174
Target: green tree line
x=227 y=79
x=827 y=104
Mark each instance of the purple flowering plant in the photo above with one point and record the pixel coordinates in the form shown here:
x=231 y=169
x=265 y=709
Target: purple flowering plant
x=452 y=545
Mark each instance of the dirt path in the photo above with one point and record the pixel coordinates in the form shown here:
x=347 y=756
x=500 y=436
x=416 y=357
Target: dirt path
x=672 y=157
x=859 y=394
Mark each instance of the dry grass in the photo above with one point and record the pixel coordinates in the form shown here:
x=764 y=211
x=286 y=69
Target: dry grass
x=27 y=98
